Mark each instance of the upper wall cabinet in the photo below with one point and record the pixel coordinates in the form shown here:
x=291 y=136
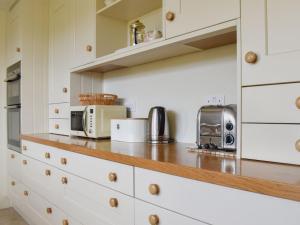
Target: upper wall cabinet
x=14 y=34
x=184 y=16
x=85 y=31
x=271 y=47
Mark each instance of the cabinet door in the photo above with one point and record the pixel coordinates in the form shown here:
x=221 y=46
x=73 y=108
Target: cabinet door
x=183 y=16
x=270 y=29
x=85 y=31
x=14 y=35
x=60 y=51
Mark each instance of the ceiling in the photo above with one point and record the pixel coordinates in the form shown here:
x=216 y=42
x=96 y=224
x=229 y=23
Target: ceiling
x=4 y=4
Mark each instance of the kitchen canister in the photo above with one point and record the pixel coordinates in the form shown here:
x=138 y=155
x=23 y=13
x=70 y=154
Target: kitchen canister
x=129 y=130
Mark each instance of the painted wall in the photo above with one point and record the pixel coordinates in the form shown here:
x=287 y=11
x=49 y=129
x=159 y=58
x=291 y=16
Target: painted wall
x=3 y=177
x=180 y=84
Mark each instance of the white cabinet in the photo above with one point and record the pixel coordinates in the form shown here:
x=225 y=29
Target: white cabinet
x=184 y=16
x=84 y=21
x=270 y=30
x=14 y=34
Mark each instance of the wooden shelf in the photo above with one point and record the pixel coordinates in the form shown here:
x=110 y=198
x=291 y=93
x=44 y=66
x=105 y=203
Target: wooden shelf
x=211 y=37
x=129 y=9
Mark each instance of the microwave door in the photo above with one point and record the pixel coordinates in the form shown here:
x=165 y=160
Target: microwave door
x=79 y=121
x=84 y=121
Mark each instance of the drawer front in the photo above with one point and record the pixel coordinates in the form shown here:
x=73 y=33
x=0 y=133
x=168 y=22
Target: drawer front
x=59 y=111
x=271 y=104
x=14 y=164
x=91 y=203
x=145 y=213
x=271 y=142
x=213 y=204
x=59 y=126
x=99 y=171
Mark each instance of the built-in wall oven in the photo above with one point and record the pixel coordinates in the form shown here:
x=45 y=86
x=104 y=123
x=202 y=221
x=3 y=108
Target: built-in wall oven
x=13 y=107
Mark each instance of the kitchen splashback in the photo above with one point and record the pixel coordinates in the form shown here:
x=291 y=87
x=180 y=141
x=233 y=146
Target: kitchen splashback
x=180 y=84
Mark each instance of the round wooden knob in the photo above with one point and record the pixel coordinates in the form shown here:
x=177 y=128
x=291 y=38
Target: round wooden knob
x=113 y=202
x=63 y=161
x=297 y=102
x=26 y=193
x=24 y=148
x=18 y=49
x=65 y=90
x=13 y=183
x=154 y=189
x=251 y=57
x=47 y=155
x=65 y=222
x=64 y=180
x=12 y=156
x=56 y=111
x=48 y=172
x=297 y=145
x=56 y=126
x=112 y=177
x=170 y=16
x=89 y=48
x=49 y=210
x=24 y=162
x=153 y=219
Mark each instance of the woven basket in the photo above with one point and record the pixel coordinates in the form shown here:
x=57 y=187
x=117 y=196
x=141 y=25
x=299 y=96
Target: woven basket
x=97 y=99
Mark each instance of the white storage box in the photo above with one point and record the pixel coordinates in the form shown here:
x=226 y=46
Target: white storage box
x=129 y=130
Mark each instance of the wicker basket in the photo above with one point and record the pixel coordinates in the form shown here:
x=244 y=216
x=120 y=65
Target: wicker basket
x=97 y=99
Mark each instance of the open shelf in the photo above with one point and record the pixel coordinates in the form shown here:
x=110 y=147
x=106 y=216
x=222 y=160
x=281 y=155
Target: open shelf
x=129 y=9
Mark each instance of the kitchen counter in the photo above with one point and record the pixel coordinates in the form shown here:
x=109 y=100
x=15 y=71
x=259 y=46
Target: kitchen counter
x=272 y=179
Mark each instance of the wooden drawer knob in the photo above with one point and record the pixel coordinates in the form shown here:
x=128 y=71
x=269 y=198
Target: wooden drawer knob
x=251 y=57
x=13 y=183
x=48 y=172
x=154 y=189
x=24 y=162
x=89 y=48
x=153 y=219
x=49 y=210
x=113 y=202
x=26 y=193
x=64 y=180
x=56 y=126
x=12 y=156
x=297 y=103
x=65 y=90
x=63 y=161
x=24 y=148
x=56 y=111
x=47 y=155
x=170 y=16
x=297 y=145
x=112 y=177
x=18 y=49
x=65 y=222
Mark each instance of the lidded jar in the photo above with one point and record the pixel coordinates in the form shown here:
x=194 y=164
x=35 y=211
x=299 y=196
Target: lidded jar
x=137 y=33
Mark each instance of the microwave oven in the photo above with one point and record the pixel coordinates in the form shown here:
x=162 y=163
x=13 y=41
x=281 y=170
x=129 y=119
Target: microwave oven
x=93 y=121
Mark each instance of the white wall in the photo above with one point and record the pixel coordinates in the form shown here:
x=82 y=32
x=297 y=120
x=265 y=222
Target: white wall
x=180 y=84
x=3 y=144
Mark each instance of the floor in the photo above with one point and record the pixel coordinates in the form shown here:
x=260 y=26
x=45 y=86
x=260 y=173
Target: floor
x=11 y=217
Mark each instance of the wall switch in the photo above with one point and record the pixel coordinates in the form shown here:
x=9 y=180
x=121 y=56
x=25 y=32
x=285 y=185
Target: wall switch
x=215 y=100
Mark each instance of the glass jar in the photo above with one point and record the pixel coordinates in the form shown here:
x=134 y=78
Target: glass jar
x=137 y=33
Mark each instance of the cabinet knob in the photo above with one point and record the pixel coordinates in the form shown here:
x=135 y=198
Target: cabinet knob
x=89 y=48
x=13 y=183
x=112 y=177
x=26 y=193
x=153 y=219
x=297 y=102
x=12 y=156
x=65 y=90
x=24 y=162
x=170 y=16
x=64 y=180
x=297 y=145
x=48 y=172
x=154 y=189
x=113 y=202
x=251 y=57
x=63 y=161
x=49 y=210
x=24 y=148
x=56 y=111
x=47 y=155
x=65 y=222
x=18 y=49
x=56 y=126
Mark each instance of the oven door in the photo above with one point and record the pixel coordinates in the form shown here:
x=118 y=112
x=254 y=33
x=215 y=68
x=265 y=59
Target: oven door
x=79 y=122
x=13 y=89
x=14 y=127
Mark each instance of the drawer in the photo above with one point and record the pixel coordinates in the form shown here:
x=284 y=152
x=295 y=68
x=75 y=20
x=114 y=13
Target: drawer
x=14 y=164
x=13 y=187
x=271 y=104
x=59 y=111
x=145 y=213
x=271 y=142
x=110 y=174
x=59 y=126
x=92 y=204
x=211 y=203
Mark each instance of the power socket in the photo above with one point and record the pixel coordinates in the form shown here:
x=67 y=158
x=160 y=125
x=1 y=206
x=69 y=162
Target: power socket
x=215 y=100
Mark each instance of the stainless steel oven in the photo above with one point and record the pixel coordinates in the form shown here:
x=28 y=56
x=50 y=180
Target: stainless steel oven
x=13 y=81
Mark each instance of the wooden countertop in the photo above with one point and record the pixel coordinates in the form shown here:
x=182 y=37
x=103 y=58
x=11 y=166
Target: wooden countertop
x=278 y=180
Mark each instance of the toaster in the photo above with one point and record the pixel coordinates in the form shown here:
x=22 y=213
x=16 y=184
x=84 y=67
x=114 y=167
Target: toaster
x=216 y=127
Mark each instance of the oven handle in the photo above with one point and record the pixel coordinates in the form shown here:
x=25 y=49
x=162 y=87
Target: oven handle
x=84 y=118
x=13 y=78
x=13 y=107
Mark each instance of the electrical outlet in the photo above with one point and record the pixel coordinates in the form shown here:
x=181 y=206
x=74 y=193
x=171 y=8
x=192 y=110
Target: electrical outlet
x=215 y=100
x=130 y=105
